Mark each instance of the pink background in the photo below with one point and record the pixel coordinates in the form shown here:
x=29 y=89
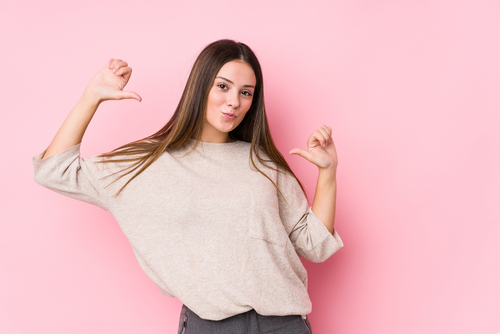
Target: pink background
x=410 y=88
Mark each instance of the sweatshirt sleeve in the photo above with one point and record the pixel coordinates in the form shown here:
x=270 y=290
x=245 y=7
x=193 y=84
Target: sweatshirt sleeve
x=306 y=231
x=70 y=175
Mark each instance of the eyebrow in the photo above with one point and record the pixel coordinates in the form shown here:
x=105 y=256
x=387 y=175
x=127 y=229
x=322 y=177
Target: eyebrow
x=233 y=82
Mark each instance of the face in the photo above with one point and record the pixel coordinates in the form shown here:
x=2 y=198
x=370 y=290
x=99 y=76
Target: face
x=229 y=100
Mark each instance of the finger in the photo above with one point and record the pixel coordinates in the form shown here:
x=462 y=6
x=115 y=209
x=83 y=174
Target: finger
x=327 y=129
x=116 y=64
x=324 y=136
x=331 y=135
x=125 y=71
x=129 y=95
x=112 y=62
x=330 y=132
x=316 y=139
x=303 y=153
x=121 y=64
x=312 y=141
x=327 y=132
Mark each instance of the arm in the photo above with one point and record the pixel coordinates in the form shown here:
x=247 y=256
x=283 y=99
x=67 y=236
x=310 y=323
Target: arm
x=325 y=198
x=322 y=153
x=107 y=84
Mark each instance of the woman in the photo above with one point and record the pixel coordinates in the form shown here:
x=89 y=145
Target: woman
x=213 y=213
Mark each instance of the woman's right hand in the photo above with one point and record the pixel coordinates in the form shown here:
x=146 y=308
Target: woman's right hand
x=109 y=82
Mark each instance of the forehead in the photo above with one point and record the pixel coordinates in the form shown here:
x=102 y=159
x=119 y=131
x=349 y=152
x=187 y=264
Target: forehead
x=239 y=72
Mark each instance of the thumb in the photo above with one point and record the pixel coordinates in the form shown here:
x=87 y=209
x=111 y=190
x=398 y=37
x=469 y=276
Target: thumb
x=129 y=95
x=303 y=153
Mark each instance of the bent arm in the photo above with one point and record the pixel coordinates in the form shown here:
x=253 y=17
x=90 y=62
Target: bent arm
x=73 y=128
x=321 y=152
x=308 y=232
x=325 y=197
x=107 y=84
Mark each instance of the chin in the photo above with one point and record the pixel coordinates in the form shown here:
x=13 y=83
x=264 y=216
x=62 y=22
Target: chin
x=226 y=129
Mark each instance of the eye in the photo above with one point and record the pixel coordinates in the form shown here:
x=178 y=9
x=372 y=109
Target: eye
x=246 y=93
x=222 y=86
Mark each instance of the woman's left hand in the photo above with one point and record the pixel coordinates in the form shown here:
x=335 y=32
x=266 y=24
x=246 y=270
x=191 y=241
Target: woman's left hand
x=321 y=149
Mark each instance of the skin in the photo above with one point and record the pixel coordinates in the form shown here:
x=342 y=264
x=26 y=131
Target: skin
x=107 y=84
x=231 y=93
x=321 y=152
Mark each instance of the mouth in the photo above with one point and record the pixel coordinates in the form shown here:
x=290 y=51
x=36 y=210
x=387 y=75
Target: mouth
x=229 y=116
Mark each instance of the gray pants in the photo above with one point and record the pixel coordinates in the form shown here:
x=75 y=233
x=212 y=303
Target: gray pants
x=245 y=323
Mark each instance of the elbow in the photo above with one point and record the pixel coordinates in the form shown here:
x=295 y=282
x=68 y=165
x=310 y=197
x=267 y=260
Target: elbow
x=318 y=259
x=44 y=178
x=324 y=255
x=39 y=178
x=323 y=251
x=315 y=257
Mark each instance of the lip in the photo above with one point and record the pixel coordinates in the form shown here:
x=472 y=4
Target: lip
x=229 y=116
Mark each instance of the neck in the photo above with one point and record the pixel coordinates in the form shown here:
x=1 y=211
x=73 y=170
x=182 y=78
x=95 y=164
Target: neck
x=218 y=137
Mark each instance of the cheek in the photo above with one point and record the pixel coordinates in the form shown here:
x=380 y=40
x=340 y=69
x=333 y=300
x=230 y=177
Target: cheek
x=214 y=98
x=247 y=108
x=220 y=98
x=247 y=104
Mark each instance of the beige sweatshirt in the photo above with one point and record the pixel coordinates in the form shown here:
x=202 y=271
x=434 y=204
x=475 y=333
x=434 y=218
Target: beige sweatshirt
x=206 y=227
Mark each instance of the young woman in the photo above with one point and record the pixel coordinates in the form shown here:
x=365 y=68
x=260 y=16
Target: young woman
x=212 y=210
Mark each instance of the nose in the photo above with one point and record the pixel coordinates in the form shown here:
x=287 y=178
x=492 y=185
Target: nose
x=233 y=101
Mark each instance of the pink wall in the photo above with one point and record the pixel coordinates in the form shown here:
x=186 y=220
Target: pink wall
x=410 y=88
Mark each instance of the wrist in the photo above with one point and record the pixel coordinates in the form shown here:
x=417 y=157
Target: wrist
x=330 y=172
x=89 y=97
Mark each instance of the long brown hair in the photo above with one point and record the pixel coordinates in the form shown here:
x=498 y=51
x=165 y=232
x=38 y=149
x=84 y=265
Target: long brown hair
x=187 y=121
